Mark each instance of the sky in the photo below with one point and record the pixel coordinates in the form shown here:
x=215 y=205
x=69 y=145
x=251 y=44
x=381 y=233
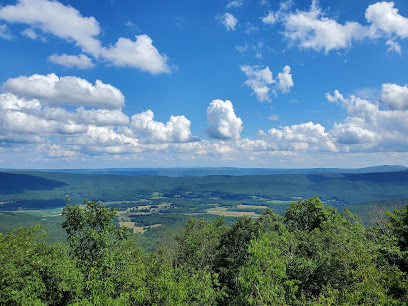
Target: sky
x=214 y=83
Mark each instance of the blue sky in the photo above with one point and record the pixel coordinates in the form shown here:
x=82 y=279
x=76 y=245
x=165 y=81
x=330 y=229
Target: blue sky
x=244 y=83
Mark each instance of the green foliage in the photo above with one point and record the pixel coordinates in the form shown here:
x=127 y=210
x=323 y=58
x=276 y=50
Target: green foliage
x=34 y=272
x=198 y=242
x=311 y=256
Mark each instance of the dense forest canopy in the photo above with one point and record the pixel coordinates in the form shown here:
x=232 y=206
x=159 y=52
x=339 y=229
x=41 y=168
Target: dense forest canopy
x=311 y=255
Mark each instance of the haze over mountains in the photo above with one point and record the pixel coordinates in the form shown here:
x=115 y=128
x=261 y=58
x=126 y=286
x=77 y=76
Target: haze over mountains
x=204 y=171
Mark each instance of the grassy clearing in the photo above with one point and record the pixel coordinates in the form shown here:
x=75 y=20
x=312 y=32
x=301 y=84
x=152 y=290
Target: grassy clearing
x=223 y=211
x=279 y=202
x=249 y=206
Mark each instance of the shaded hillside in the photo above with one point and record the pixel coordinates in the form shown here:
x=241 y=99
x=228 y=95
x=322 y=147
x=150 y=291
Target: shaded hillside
x=16 y=183
x=339 y=189
x=192 y=172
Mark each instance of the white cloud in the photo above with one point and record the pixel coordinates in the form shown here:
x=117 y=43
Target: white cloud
x=4 y=32
x=56 y=151
x=285 y=81
x=302 y=137
x=393 y=46
x=352 y=133
x=270 y=18
x=139 y=54
x=367 y=128
x=70 y=90
x=274 y=17
x=66 y=22
x=55 y=18
x=258 y=80
x=312 y=30
x=385 y=18
x=394 y=97
x=222 y=121
x=29 y=33
x=80 y=61
x=176 y=130
x=229 y=21
x=235 y=3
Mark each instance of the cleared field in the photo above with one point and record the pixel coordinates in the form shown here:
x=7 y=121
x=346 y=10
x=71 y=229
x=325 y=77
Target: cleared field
x=279 y=202
x=244 y=206
x=223 y=211
x=43 y=212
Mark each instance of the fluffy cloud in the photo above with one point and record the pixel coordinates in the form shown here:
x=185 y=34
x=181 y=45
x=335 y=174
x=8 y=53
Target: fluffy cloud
x=222 y=121
x=258 y=80
x=394 y=97
x=229 y=21
x=302 y=137
x=385 y=18
x=176 y=130
x=66 y=22
x=52 y=90
x=139 y=54
x=80 y=61
x=352 y=133
x=285 y=80
x=55 y=18
x=367 y=127
x=312 y=30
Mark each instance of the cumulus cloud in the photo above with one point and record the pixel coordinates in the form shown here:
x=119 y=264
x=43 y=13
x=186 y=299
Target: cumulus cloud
x=66 y=22
x=312 y=30
x=229 y=21
x=139 y=54
x=350 y=133
x=222 y=121
x=176 y=130
x=259 y=80
x=4 y=32
x=394 y=97
x=302 y=137
x=79 y=61
x=285 y=80
x=367 y=127
x=70 y=90
x=385 y=18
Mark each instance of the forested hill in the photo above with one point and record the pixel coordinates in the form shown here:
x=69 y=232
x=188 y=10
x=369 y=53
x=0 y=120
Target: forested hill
x=338 y=188
x=181 y=172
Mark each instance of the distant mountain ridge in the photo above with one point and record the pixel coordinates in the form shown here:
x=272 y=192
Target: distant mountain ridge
x=205 y=171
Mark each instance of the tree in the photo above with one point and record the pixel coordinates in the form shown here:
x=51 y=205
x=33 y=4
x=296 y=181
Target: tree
x=97 y=245
x=34 y=272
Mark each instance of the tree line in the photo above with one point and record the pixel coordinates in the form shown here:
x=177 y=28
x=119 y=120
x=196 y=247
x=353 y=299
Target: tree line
x=312 y=255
